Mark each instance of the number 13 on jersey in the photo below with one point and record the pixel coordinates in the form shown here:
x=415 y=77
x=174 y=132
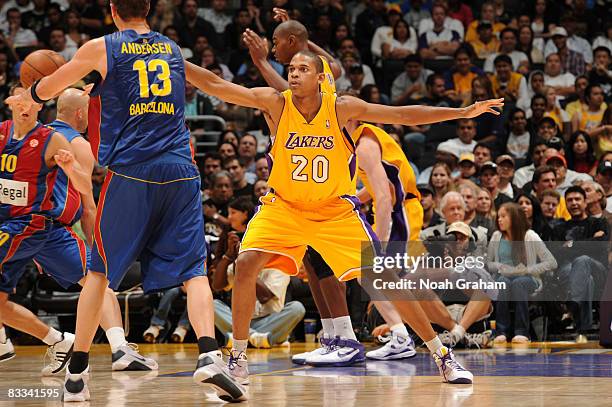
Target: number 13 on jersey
x=319 y=171
x=154 y=65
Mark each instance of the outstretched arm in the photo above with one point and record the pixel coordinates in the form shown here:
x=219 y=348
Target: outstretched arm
x=259 y=98
x=349 y=107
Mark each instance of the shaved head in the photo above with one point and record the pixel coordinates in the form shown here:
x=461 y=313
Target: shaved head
x=292 y=27
x=72 y=108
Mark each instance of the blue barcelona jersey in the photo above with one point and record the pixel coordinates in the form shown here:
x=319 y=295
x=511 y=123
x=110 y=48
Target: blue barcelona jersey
x=136 y=115
x=67 y=207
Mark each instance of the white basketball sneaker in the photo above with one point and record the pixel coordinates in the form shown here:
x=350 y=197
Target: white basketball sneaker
x=211 y=371
x=450 y=369
x=60 y=354
x=127 y=358
x=327 y=345
x=346 y=352
x=7 y=351
x=396 y=347
x=238 y=366
x=75 y=386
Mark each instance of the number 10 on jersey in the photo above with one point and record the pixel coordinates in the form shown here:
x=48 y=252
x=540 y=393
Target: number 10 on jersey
x=319 y=171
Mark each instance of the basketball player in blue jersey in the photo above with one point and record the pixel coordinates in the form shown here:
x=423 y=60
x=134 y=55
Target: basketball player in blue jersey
x=64 y=255
x=150 y=204
x=299 y=211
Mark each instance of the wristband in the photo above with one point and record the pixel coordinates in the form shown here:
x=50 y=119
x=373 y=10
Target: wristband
x=35 y=97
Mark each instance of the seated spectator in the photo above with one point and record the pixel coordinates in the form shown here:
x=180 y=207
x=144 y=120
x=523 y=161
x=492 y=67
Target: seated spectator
x=544 y=16
x=580 y=154
x=535 y=86
x=411 y=84
x=217 y=15
x=209 y=57
x=227 y=150
x=531 y=46
x=486 y=43
x=57 y=42
x=371 y=94
x=262 y=169
x=215 y=208
x=75 y=33
x=159 y=320
x=536 y=113
x=349 y=56
x=574 y=42
x=430 y=216
x=505 y=170
x=22 y=39
x=571 y=61
x=596 y=200
x=555 y=111
x=467 y=167
x=242 y=20
x=485 y=210
x=535 y=217
x=584 y=274
x=260 y=188
x=601 y=74
x=196 y=104
x=545 y=177
x=565 y=177
x=563 y=83
x=605 y=38
x=438 y=41
x=518 y=257
x=384 y=35
x=236 y=167
x=603 y=176
x=548 y=129
x=428 y=24
x=487 y=14
x=577 y=101
x=590 y=117
x=520 y=62
x=519 y=141
x=460 y=11
x=469 y=192
x=489 y=179
x=162 y=15
x=441 y=181
x=273 y=320
x=211 y=165
x=247 y=150
x=464 y=143
x=509 y=85
x=402 y=44
x=418 y=12
x=441 y=156
x=459 y=78
x=228 y=136
x=482 y=154
x=602 y=134
x=488 y=126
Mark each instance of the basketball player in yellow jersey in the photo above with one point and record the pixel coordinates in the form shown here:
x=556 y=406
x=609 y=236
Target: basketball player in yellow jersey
x=312 y=181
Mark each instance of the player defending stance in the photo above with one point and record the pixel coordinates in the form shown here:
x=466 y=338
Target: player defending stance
x=312 y=179
x=150 y=204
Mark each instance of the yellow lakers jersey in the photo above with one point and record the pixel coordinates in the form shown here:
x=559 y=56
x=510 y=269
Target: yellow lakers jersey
x=329 y=84
x=311 y=161
x=398 y=169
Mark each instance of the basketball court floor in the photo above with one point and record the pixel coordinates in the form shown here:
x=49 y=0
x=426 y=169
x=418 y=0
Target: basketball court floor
x=542 y=374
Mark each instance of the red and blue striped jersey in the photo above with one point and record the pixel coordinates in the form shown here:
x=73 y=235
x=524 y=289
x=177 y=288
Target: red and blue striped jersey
x=136 y=114
x=26 y=183
x=67 y=207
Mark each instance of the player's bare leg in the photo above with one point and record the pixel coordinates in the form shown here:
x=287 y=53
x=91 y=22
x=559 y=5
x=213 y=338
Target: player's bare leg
x=22 y=319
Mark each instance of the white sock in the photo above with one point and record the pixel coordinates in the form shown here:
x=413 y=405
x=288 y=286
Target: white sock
x=54 y=336
x=328 y=327
x=458 y=332
x=240 y=345
x=2 y=335
x=116 y=338
x=344 y=328
x=434 y=345
x=400 y=329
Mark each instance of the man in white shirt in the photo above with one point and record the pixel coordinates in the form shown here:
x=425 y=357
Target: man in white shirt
x=57 y=41
x=464 y=143
x=574 y=42
x=21 y=37
x=452 y=24
x=439 y=41
x=348 y=59
x=553 y=76
x=508 y=38
x=524 y=174
x=216 y=15
x=21 y=5
x=384 y=35
x=505 y=170
x=565 y=177
x=410 y=84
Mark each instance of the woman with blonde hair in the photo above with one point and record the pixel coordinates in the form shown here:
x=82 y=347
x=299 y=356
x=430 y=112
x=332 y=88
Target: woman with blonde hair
x=484 y=206
x=440 y=181
x=518 y=257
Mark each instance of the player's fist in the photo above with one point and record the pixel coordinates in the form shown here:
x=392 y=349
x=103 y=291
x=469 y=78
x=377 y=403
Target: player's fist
x=486 y=106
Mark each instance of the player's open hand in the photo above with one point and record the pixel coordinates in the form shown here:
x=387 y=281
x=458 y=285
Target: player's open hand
x=65 y=159
x=280 y=15
x=258 y=47
x=486 y=106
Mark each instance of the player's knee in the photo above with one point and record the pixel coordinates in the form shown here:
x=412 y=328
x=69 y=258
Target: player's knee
x=249 y=264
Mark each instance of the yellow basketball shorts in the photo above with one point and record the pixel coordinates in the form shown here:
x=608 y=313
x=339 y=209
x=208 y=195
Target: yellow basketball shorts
x=335 y=228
